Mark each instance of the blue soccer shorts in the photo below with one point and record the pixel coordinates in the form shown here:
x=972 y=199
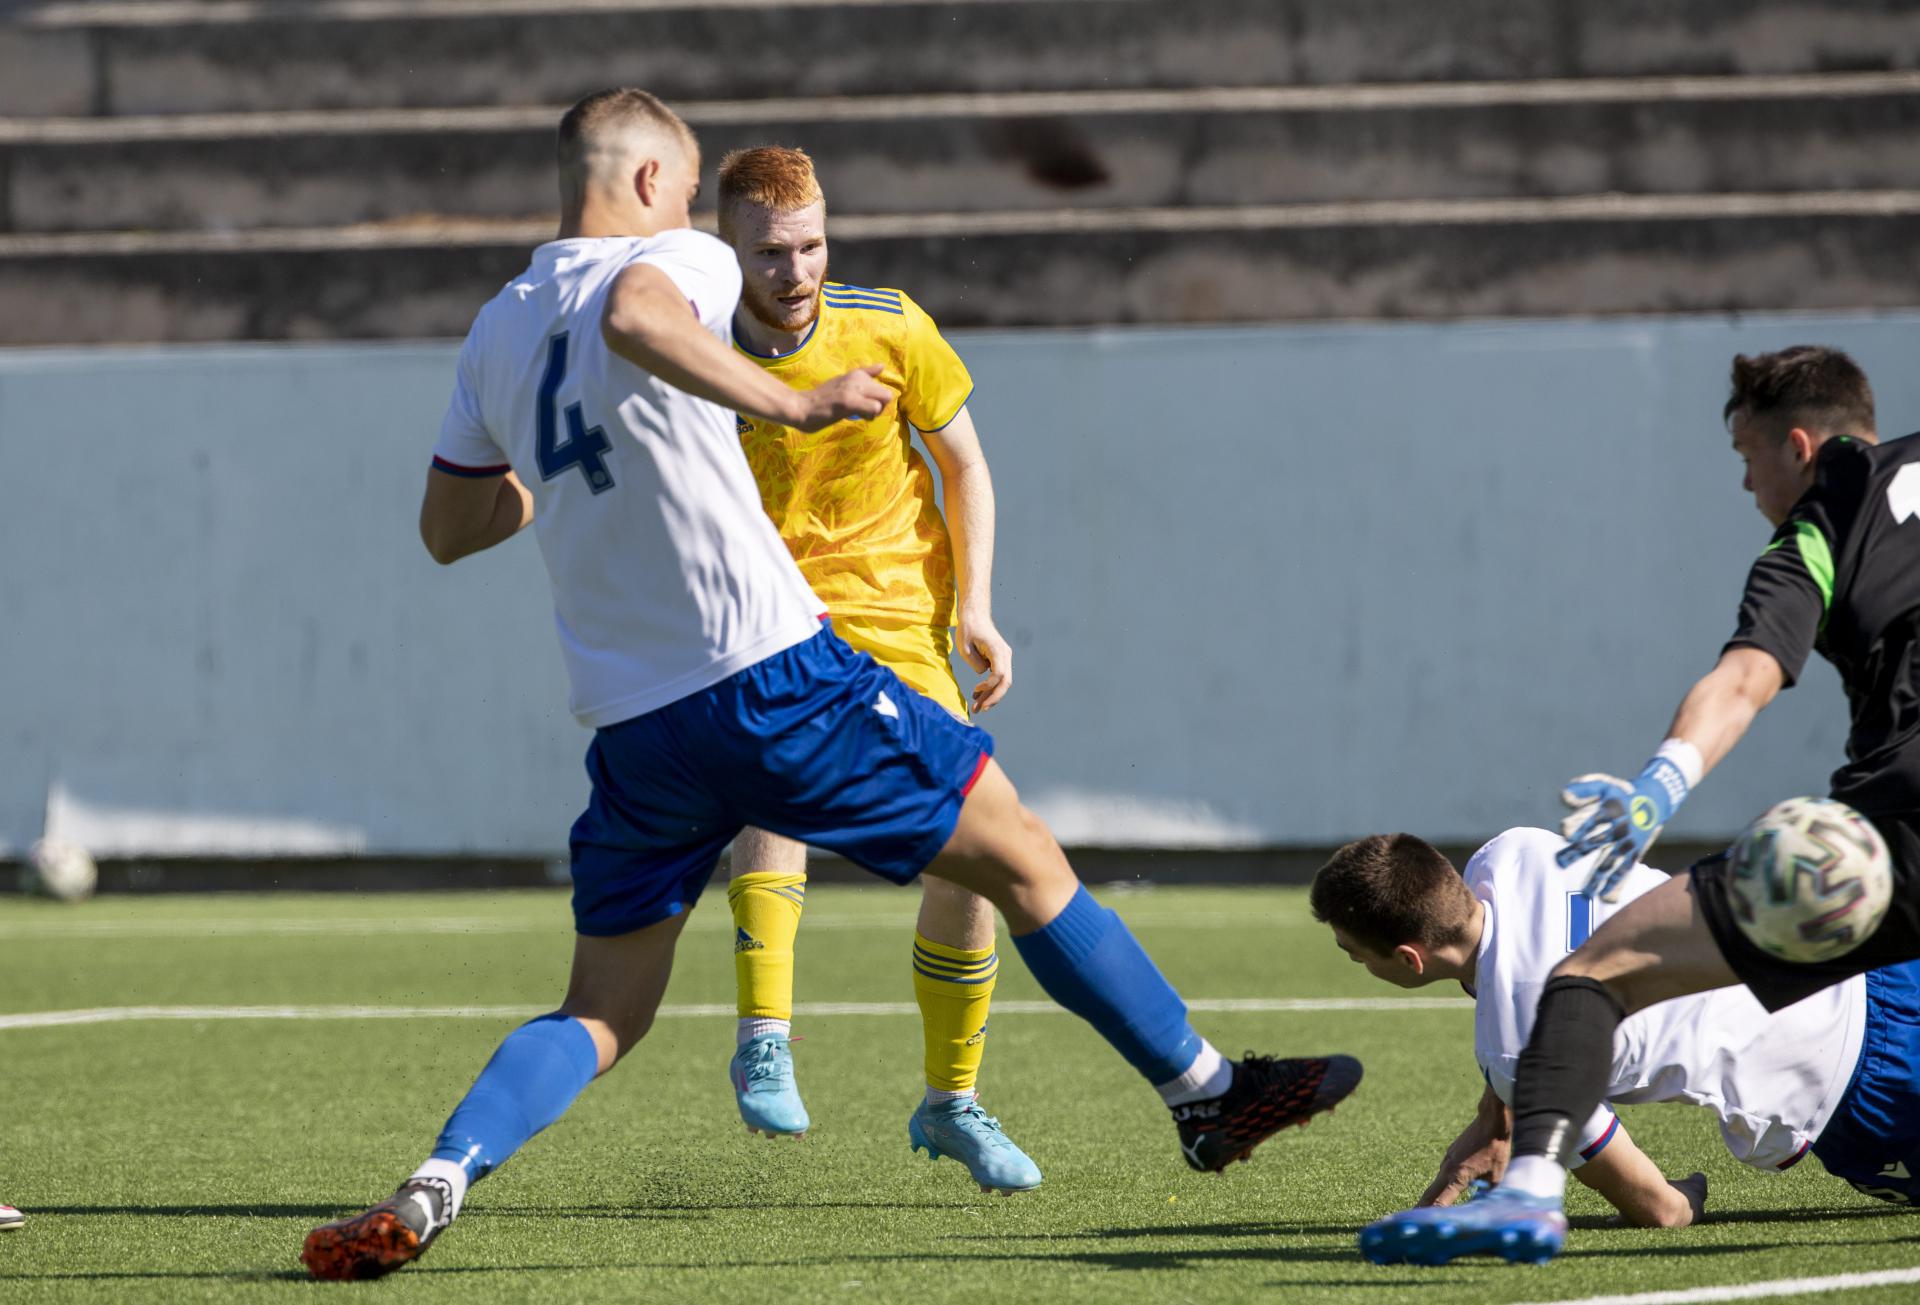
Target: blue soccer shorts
x=1873 y=1140
x=818 y=743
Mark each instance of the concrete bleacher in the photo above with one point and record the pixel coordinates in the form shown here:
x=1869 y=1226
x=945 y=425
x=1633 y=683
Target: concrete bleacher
x=217 y=169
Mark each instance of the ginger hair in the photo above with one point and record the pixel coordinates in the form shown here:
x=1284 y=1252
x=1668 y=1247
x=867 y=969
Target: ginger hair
x=768 y=176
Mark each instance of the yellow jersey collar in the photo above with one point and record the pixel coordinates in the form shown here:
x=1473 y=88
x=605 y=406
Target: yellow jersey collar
x=766 y=360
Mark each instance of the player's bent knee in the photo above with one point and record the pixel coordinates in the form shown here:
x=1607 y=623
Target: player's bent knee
x=609 y=1045
x=1006 y=854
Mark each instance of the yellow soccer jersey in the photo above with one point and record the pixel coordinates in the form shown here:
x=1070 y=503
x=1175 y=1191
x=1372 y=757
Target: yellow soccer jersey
x=855 y=501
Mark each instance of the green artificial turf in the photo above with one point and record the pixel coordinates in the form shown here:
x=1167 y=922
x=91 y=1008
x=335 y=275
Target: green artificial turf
x=185 y=1159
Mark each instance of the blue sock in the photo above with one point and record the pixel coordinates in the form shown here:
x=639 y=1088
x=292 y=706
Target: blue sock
x=1087 y=960
x=531 y=1080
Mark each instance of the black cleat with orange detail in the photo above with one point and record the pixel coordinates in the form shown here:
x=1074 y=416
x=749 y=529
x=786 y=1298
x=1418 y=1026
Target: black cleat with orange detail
x=375 y=1242
x=1267 y=1095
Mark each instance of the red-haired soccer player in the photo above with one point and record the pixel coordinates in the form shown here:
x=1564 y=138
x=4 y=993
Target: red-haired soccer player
x=856 y=505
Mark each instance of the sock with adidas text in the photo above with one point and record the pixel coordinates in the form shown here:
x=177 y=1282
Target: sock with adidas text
x=766 y=918
x=954 y=987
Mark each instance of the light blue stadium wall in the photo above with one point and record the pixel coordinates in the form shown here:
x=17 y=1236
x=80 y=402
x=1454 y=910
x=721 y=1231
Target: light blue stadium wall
x=1266 y=586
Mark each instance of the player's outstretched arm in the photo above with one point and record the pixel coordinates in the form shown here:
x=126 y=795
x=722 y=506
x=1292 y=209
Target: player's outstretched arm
x=968 y=488
x=648 y=322
x=1717 y=711
x=1480 y=1151
x=1634 y=1186
x=463 y=515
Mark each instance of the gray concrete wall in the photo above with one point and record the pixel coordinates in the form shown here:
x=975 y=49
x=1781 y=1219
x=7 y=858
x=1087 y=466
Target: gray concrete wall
x=286 y=59
x=1266 y=586
x=962 y=161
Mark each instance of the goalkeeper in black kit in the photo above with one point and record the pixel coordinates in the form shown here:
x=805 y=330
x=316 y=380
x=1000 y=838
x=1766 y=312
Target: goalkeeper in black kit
x=1841 y=577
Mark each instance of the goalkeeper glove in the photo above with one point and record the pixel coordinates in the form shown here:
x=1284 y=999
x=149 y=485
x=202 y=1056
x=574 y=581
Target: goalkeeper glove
x=1618 y=819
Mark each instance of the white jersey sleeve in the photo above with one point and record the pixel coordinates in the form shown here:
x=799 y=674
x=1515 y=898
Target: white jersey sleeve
x=703 y=268
x=464 y=447
x=1773 y=1080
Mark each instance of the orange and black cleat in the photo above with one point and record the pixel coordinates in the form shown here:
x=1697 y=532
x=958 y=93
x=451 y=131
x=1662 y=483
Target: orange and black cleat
x=1267 y=1095
x=375 y=1242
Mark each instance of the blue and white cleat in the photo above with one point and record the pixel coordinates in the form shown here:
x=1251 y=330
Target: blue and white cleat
x=762 y=1074
x=1514 y=1226
x=963 y=1130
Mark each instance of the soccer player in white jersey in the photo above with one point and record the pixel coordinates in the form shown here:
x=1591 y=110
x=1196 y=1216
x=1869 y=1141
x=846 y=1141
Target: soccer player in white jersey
x=592 y=401
x=1833 y=1074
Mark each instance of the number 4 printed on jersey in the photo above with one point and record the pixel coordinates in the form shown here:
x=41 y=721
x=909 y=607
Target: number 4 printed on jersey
x=583 y=448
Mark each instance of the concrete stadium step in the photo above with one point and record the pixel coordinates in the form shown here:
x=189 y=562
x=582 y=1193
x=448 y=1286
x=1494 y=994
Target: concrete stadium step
x=882 y=154
x=184 y=56
x=1431 y=259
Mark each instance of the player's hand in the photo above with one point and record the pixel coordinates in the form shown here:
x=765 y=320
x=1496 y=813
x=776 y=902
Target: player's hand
x=1480 y=1152
x=991 y=657
x=1616 y=821
x=856 y=395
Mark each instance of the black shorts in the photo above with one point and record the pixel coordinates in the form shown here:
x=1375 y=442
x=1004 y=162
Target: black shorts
x=1779 y=983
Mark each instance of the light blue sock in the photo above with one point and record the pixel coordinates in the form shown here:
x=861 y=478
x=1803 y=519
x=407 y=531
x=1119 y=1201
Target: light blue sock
x=531 y=1080
x=1088 y=961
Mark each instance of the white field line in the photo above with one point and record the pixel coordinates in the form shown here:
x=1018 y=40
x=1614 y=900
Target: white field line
x=47 y=930
x=1363 y=97
x=48 y=1019
x=1752 y=1290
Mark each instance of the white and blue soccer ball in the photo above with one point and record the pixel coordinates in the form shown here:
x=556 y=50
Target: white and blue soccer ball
x=1810 y=879
x=60 y=870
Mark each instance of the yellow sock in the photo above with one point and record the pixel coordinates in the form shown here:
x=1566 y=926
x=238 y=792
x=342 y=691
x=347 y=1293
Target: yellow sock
x=766 y=916
x=954 y=987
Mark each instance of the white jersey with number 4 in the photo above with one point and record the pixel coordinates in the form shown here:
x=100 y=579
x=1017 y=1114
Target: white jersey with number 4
x=1774 y=1080
x=667 y=574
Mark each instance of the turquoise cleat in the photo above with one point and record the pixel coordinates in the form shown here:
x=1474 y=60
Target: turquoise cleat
x=1512 y=1225
x=963 y=1130
x=762 y=1074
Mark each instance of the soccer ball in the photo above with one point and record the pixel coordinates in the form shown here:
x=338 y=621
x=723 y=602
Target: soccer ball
x=1811 y=879
x=62 y=871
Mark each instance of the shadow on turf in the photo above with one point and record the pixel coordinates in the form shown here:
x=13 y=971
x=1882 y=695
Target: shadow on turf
x=658 y=1210
x=166 y=1275
x=205 y=1211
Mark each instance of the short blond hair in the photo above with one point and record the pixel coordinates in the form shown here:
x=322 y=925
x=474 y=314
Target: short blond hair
x=767 y=176
x=592 y=127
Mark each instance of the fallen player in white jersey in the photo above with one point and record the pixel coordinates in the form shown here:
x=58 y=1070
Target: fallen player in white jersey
x=1781 y=1084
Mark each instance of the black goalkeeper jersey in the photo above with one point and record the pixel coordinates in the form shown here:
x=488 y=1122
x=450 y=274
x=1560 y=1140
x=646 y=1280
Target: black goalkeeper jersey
x=1842 y=577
